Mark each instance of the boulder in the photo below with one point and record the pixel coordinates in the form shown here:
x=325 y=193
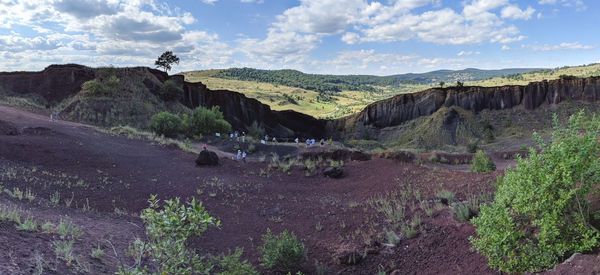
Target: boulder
x=333 y=172
x=207 y=158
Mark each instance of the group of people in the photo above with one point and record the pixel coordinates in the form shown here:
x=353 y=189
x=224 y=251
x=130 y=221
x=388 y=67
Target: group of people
x=241 y=155
x=237 y=136
x=310 y=142
x=54 y=116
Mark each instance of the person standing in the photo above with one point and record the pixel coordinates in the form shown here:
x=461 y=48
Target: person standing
x=244 y=156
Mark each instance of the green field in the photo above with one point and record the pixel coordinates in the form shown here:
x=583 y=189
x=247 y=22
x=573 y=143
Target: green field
x=281 y=97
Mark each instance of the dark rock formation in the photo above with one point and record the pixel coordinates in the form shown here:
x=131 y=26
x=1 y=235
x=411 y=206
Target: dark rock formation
x=405 y=107
x=207 y=158
x=54 y=83
x=333 y=172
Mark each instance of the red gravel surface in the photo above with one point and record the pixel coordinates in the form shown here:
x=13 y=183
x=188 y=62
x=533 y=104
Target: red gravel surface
x=111 y=175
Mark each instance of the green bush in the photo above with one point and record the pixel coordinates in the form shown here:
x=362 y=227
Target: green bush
x=170 y=90
x=482 y=163
x=233 y=265
x=540 y=212
x=282 y=251
x=168 y=230
x=166 y=124
x=206 y=121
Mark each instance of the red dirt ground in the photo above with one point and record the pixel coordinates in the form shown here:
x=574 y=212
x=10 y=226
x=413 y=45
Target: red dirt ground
x=113 y=174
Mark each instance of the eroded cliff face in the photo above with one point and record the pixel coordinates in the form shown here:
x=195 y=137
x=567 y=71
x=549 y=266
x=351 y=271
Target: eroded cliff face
x=402 y=108
x=54 y=83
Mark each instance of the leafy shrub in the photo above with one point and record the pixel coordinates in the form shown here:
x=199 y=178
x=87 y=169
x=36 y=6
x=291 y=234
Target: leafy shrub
x=206 y=121
x=233 y=265
x=281 y=251
x=170 y=90
x=540 y=212
x=169 y=229
x=166 y=124
x=482 y=163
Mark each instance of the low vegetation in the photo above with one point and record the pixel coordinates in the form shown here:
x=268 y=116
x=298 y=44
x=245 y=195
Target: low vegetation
x=540 y=213
x=168 y=229
x=283 y=251
x=482 y=163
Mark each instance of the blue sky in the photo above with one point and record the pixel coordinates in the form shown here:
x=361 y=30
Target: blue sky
x=320 y=36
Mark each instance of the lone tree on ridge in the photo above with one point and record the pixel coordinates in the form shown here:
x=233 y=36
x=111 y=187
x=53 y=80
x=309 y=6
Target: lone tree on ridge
x=165 y=60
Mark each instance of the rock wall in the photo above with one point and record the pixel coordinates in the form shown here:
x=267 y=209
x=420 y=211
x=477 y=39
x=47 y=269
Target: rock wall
x=405 y=107
x=54 y=83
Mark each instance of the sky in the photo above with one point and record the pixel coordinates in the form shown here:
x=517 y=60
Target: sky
x=380 y=37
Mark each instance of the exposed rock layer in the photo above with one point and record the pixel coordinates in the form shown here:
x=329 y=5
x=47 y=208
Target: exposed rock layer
x=405 y=107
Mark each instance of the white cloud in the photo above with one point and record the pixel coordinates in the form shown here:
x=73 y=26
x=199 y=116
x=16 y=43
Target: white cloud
x=467 y=53
x=505 y=47
x=209 y=2
x=578 y=5
x=102 y=32
x=514 y=12
x=559 y=47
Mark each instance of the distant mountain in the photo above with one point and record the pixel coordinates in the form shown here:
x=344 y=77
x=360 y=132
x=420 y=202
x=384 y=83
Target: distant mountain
x=335 y=83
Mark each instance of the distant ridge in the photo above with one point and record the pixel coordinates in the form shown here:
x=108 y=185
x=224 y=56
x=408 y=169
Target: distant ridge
x=369 y=83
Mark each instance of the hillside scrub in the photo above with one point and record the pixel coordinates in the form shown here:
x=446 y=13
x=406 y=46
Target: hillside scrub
x=101 y=86
x=166 y=124
x=540 y=214
x=202 y=121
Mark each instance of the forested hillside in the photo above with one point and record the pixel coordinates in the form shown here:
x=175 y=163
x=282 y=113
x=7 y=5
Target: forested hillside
x=368 y=83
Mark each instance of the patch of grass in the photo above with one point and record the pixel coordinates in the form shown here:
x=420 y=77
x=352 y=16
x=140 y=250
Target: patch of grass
x=283 y=251
x=10 y=214
x=63 y=249
x=67 y=230
x=48 y=227
x=232 y=264
x=28 y=225
x=445 y=196
x=462 y=211
x=97 y=252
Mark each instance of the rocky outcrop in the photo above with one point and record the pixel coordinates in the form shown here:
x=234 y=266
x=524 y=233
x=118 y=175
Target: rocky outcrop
x=207 y=158
x=54 y=83
x=405 y=107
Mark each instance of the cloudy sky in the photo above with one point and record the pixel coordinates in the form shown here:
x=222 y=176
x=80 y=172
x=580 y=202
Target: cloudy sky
x=321 y=36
